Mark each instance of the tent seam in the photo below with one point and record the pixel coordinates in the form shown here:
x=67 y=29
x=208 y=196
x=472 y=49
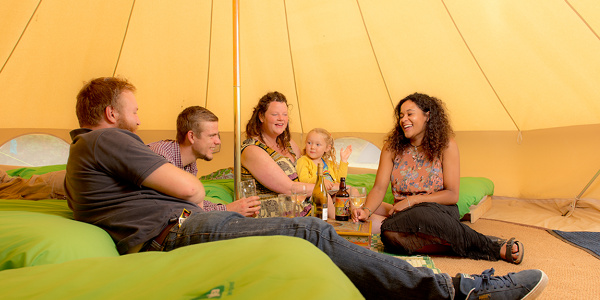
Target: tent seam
x=124 y=38
x=209 y=53
x=582 y=19
x=287 y=28
x=20 y=37
x=374 y=54
x=482 y=71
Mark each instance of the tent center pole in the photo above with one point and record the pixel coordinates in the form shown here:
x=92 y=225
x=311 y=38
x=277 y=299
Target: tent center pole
x=236 y=99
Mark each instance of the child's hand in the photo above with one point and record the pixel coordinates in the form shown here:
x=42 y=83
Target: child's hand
x=334 y=187
x=329 y=184
x=345 y=153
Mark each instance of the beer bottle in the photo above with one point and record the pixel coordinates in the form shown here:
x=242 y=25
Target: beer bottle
x=342 y=202
x=319 y=196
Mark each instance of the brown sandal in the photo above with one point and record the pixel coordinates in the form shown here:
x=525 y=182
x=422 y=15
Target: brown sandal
x=508 y=255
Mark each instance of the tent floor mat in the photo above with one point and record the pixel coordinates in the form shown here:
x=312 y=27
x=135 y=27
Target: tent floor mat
x=586 y=241
x=546 y=213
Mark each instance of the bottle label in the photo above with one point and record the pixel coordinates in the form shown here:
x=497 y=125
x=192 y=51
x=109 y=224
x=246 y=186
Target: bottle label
x=324 y=216
x=342 y=206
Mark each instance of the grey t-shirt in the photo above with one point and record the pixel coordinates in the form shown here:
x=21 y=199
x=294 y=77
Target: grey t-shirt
x=105 y=171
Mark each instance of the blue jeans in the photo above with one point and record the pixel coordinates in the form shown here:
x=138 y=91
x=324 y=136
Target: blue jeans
x=376 y=275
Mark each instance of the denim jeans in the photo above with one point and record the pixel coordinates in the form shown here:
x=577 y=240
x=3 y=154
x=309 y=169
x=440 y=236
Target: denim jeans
x=376 y=275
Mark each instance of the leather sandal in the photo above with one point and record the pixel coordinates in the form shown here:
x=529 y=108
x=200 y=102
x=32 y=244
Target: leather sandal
x=497 y=240
x=508 y=255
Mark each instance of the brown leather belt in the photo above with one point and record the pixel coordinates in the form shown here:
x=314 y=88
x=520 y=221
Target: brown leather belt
x=156 y=244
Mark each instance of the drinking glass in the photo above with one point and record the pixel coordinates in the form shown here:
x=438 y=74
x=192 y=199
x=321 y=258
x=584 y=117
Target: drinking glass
x=288 y=206
x=299 y=192
x=358 y=196
x=247 y=188
x=299 y=195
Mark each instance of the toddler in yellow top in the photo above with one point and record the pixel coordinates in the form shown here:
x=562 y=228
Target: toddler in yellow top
x=319 y=149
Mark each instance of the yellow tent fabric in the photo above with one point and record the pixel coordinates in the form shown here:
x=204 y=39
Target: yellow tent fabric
x=521 y=79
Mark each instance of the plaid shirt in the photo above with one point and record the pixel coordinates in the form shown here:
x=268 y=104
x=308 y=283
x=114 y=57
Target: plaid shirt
x=169 y=149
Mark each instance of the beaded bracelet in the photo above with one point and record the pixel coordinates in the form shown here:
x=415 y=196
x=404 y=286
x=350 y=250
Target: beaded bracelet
x=370 y=212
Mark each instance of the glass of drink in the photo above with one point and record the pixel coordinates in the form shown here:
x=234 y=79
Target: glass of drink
x=358 y=196
x=247 y=188
x=288 y=206
x=299 y=192
x=299 y=195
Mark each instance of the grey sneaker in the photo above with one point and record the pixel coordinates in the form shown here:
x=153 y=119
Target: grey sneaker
x=527 y=284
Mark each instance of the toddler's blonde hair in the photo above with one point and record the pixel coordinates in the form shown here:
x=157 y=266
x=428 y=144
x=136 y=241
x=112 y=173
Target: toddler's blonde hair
x=328 y=155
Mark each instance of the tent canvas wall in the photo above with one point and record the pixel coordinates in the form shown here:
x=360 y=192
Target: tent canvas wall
x=520 y=78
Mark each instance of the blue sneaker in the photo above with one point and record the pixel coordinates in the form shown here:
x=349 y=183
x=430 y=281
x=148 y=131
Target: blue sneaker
x=527 y=284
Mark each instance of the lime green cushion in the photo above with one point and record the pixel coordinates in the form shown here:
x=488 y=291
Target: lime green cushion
x=367 y=180
x=219 y=191
x=472 y=190
x=57 y=207
x=274 y=267
x=27 y=172
x=32 y=238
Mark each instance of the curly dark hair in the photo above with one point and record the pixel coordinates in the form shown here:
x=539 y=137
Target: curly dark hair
x=437 y=130
x=254 y=125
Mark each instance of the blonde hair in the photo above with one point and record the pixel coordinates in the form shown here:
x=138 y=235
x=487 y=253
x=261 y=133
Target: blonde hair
x=328 y=155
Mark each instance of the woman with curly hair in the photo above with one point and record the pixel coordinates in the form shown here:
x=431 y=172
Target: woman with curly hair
x=269 y=154
x=421 y=160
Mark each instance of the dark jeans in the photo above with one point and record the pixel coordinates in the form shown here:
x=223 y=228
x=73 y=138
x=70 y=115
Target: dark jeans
x=377 y=276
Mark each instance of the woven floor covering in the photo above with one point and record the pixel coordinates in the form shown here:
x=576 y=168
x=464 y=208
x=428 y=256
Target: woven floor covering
x=414 y=260
x=572 y=272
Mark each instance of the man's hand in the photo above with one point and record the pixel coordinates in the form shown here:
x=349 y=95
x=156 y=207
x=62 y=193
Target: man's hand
x=247 y=207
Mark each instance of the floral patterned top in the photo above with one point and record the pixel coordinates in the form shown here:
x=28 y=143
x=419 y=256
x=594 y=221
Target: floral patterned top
x=413 y=174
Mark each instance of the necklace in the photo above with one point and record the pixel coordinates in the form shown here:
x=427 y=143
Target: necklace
x=416 y=156
x=271 y=144
x=282 y=151
x=415 y=152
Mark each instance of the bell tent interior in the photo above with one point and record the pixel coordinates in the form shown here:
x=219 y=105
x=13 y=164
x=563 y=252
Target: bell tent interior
x=520 y=79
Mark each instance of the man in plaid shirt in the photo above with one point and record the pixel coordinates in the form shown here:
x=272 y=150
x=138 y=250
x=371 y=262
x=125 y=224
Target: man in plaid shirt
x=191 y=146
